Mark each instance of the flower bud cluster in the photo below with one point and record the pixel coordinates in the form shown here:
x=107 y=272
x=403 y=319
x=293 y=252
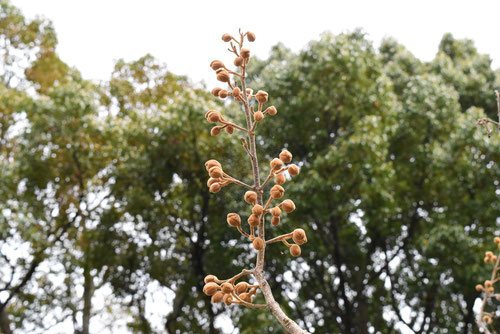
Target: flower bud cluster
x=217 y=178
x=213 y=116
x=488 y=287
x=227 y=292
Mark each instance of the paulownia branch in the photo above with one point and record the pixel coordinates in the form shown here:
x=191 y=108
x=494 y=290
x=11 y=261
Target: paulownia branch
x=243 y=293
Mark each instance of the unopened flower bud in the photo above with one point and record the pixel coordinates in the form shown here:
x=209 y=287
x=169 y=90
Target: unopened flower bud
x=271 y=111
x=497 y=240
x=276 y=164
x=275 y=220
x=245 y=53
x=215 y=188
x=250 y=36
x=258 y=116
x=299 y=236
x=215 y=130
x=236 y=92
x=217 y=298
x=280 y=179
x=257 y=209
x=246 y=297
x=226 y=287
x=295 y=250
x=233 y=219
x=241 y=287
x=261 y=96
x=249 y=91
x=479 y=288
x=488 y=283
x=211 y=181
x=288 y=205
x=216 y=64
x=223 y=93
x=293 y=170
x=258 y=243
x=275 y=211
x=227 y=38
x=223 y=76
x=250 y=197
x=277 y=191
x=227 y=299
x=286 y=156
x=213 y=116
x=215 y=172
x=215 y=91
x=253 y=220
x=238 y=61
x=212 y=163
x=210 y=288
x=487 y=319
x=229 y=129
x=210 y=278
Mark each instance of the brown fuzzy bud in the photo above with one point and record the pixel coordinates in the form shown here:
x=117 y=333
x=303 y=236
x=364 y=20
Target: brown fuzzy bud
x=295 y=250
x=288 y=205
x=250 y=36
x=258 y=116
x=227 y=299
x=216 y=64
x=213 y=116
x=271 y=111
x=276 y=164
x=210 y=278
x=215 y=172
x=227 y=38
x=488 y=283
x=238 y=61
x=241 y=287
x=253 y=220
x=233 y=219
x=230 y=129
x=280 y=179
x=227 y=287
x=286 y=156
x=215 y=91
x=212 y=181
x=275 y=220
x=210 y=288
x=257 y=209
x=245 y=53
x=223 y=93
x=258 y=243
x=246 y=297
x=277 y=191
x=215 y=130
x=299 y=236
x=261 y=96
x=223 y=76
x=250 y=197
x=236 y=92
x=276 y=212
x=211 y=163
x=497 y=240
x=217 y=298
x=479 y=288
x=487 y=319
x=293 y=170
x=215 y=188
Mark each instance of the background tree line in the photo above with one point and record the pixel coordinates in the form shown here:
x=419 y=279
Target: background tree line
x=102 y=187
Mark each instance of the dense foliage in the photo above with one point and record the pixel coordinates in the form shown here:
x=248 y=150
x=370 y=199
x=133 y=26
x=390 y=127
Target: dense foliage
x=103 y=198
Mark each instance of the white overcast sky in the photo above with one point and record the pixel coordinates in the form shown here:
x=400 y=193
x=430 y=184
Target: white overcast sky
x=185 y=34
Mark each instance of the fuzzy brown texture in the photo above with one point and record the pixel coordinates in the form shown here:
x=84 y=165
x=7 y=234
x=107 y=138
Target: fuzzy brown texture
x=286 y=156
x=293 y=170
x=233 y=219
x=288 y=205
x=295 y=250
x=271 y=111
x=277 y=191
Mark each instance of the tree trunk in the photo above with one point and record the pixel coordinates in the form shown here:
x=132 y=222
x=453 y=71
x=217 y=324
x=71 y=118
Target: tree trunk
x=88 y=292
x=5 y=327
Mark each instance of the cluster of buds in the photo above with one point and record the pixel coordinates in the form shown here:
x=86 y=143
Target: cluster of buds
x=262 y=211
x=229 y=292
x=488 y=287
